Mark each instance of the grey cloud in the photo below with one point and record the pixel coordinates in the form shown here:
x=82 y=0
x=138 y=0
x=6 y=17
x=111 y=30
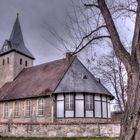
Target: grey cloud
x=33 y=13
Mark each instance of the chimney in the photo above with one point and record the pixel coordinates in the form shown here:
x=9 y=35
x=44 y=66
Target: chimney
x=68 y=55
x=99 y=80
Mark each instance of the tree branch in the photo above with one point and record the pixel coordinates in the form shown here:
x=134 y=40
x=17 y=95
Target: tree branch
x=91 y=5
x=119 y=49
x=94 y=38
x=93 y=31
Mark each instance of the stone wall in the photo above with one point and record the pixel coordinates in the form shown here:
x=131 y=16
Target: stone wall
x=116 y=116
x=83 y=120
x=60 y=130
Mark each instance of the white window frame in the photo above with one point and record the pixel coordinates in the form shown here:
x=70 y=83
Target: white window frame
x=69 y=102
x=89 y=102
x=17 y=109
x=41 y=107
x=28 y=108
x=6 y=110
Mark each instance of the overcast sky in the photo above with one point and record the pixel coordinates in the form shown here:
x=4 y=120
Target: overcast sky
x=34 y=15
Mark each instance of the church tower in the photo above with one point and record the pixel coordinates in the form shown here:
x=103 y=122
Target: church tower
x=14 y=56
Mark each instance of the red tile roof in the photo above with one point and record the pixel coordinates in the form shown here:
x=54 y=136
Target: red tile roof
x=35 y=81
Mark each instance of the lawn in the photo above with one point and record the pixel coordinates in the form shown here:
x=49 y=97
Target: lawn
x=12 y=138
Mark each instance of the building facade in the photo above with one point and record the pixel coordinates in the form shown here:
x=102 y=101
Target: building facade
x=61 y=91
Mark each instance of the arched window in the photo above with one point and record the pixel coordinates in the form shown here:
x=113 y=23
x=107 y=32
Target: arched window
x=8 y=60
x=6 y=110
x=3 y=62
x=28 y=108
x=26 y=63
x=20 y=61
x=17 y=109
x=41 y=107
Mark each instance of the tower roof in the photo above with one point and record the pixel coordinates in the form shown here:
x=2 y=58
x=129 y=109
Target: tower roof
x=16 y=42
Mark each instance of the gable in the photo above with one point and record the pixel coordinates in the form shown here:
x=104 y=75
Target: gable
x=79 y=79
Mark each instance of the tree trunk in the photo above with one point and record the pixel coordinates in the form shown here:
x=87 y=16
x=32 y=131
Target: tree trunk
x=130 y=124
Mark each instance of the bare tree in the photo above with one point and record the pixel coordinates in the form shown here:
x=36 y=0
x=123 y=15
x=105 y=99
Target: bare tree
x=108 y=11
x=113 y=74
x=96 y=22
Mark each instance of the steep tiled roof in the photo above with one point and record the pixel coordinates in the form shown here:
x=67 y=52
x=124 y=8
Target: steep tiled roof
x=35 y=81
x=16 y=42
x=78 y=79
x=56 y=77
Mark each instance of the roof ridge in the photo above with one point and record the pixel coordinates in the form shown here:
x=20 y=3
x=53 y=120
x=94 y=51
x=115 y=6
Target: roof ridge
x=45 y=63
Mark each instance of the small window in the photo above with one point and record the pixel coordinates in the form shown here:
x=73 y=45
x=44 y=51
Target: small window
x=8 y=60
x=28 y=108
x=89 y=102
x=6 y=110
x=3 y=62
x=20 y=61
x=17 y=109
x=41 y=107
x=26 y=63
x=69 y=102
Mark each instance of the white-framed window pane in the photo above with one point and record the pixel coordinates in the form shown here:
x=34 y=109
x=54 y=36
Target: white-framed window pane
x=69 y=102
x=41 y=107
x=89 y=102
x=60 y=109
x=60 y=97
x=104 y=107
x=97 y=97
x=98 y=109
x=69 y=113
x=79 y=96
x=103 y=98
x=89 y=113
x=79 y=108
x=109 y=111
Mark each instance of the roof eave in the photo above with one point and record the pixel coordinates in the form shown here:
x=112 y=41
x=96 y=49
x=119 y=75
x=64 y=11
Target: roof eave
x=13 y=50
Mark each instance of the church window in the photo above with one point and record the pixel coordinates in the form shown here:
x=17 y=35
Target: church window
x=26 y=63
x=28 y=108
x=6 y=110
x=20 y=61
x=41 y=107
x=69 y=102
x=17 y=109
x=8 y=60
x=89 y=102
x=3 y=62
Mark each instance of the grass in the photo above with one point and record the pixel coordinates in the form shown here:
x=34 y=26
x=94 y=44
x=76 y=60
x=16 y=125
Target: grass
x=21 y=138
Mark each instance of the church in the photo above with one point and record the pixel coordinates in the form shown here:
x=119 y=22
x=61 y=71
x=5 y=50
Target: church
x=58 y=92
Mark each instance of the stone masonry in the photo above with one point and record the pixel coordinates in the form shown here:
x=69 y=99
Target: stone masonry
x=60 y=130
x=22 y=117
x=8 y=71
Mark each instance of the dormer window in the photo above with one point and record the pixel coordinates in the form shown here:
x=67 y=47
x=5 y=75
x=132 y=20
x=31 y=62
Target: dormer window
x=5 y=48
x=85 y=77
